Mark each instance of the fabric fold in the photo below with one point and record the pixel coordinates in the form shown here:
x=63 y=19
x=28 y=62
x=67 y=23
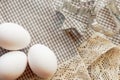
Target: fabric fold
x=73 y=69
x=94 y=47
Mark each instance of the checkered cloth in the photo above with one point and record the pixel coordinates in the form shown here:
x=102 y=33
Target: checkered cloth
x=45 y=26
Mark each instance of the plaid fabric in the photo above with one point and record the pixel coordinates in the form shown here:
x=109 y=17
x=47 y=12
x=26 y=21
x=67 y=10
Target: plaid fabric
x=45 y=26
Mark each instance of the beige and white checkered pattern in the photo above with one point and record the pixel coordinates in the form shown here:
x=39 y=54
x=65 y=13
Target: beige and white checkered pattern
x=45 y=26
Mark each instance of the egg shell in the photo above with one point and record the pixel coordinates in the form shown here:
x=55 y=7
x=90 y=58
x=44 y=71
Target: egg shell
x=13 y=36
x=12 y=65
x=42 y=61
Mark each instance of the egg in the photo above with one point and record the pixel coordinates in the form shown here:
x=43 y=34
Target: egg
x=12 y=65
x=42 y=61
x=13 y=36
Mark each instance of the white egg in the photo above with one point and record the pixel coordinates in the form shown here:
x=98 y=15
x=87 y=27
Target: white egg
x=12 y=65
x=13 y=36
x=42 y=61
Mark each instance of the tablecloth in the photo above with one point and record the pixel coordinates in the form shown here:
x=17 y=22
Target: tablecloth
x=45 y=26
